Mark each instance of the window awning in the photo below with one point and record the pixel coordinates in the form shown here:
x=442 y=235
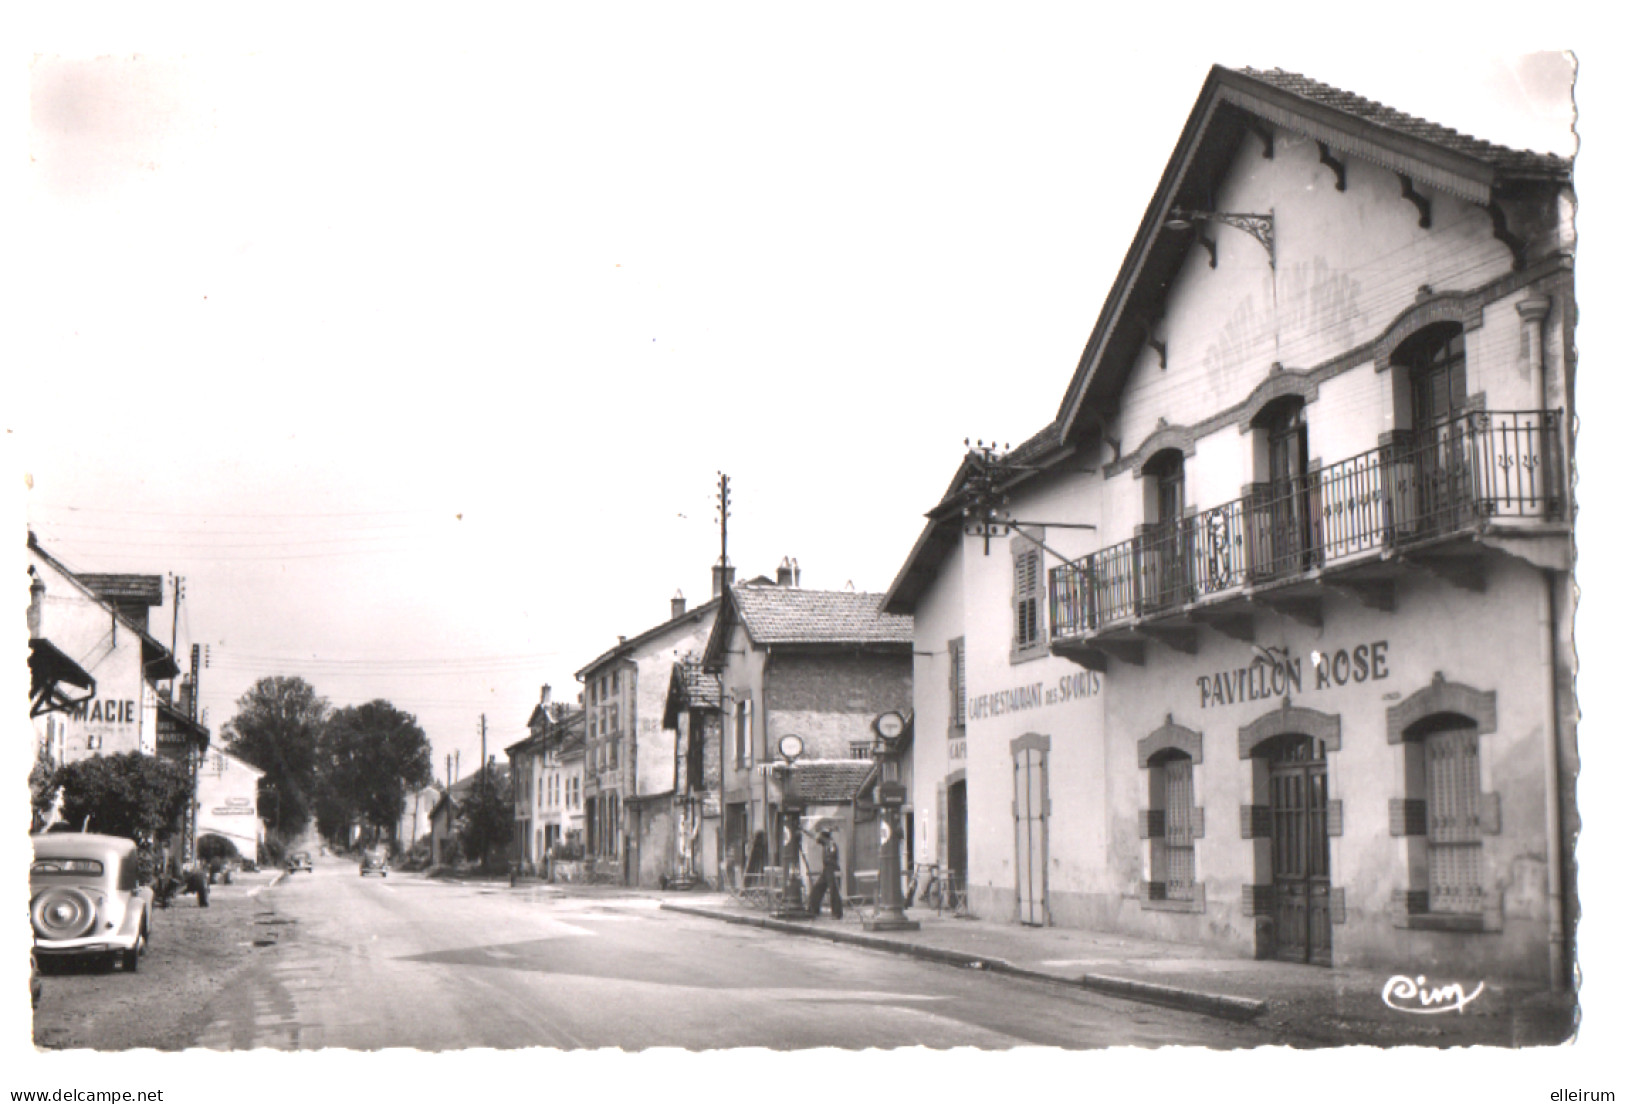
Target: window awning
x=48 y=669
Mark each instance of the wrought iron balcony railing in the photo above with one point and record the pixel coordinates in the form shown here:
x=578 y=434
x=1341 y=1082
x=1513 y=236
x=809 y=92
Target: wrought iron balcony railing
x=1432 y=483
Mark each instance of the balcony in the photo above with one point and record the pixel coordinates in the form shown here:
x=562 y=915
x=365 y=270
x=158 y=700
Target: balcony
x=1436 y=500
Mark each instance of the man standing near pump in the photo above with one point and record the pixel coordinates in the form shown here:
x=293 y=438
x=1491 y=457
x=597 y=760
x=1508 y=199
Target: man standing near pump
x=829 y=878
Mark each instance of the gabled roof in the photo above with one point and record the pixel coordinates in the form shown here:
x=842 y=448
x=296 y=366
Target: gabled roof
x=1502 y=158
x=628 y=648
x=944 y=525
x=545 y=723
x=157 y=662
x=777 y=615
x=691 y=687
x=1233 y=103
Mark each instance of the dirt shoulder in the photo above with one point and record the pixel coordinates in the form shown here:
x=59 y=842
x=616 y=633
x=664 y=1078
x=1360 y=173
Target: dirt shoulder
x=193 y=952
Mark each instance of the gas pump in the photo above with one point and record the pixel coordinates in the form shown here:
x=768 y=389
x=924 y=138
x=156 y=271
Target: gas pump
x=892 y=795
x=792 y=904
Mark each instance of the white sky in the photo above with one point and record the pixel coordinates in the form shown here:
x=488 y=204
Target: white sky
x=416 y=346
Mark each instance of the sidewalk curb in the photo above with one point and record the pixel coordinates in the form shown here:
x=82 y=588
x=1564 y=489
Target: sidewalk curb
x=1189 y=1000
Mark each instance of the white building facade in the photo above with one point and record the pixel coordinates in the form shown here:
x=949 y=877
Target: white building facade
x=1267 y=637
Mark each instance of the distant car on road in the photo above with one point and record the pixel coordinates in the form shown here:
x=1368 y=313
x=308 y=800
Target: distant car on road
x=84 y=901
x=375 y=860
x=300 y=860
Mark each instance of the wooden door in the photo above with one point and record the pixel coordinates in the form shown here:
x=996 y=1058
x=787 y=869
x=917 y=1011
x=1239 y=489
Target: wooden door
x=1300 y=854
x=1438 y=409
x=1031 y=807
x=955 y=826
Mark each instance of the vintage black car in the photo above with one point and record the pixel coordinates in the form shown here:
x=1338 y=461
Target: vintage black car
x=300 y=860
x=84 y=900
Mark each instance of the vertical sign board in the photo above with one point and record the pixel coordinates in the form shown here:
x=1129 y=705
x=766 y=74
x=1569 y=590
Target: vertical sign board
x=1031 y=810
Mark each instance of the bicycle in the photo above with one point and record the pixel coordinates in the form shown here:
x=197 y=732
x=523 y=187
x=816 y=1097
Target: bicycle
x=941 y=890
x=923 y=876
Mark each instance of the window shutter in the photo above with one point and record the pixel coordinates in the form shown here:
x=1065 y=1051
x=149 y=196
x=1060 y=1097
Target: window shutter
x=956 y=678
x=1177 y=775
x=1452 y=781
x=1455 y=856
x=1029 y=629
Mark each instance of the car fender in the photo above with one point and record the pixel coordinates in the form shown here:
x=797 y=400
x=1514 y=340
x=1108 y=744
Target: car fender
x=135 y=917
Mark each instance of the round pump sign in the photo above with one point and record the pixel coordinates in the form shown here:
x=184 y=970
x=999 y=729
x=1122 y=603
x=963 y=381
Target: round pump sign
x=889 y=727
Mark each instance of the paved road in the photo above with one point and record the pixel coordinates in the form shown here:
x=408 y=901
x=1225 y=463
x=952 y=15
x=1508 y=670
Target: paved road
x=368 y=963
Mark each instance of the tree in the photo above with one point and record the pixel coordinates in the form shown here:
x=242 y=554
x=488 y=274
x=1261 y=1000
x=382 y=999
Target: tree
x=131 y=795
x=276 y=728
x=42 y=790
x=211 y=847
x=368 y=757
x=485 y=818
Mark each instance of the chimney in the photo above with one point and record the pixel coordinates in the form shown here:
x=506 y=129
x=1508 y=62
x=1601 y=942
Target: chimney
x=679 y=605
x=795 y=569
x=36 y=602
x=547 y=693
x=722 y=575
x=786 y=573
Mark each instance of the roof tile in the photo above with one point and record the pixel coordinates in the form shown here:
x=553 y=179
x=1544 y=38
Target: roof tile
x=790 y=615
x=827 y=781
x=1388 y=118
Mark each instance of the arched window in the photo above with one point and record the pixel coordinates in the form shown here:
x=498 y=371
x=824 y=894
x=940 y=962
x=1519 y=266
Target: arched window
x=1281 y=514
x=1164 y=553
x=1445 y=806
x=1165 y=502
x=1445 y=814
x=1435 y=362
x=1438 y=465
x=1172 y=821
x=1171 y=826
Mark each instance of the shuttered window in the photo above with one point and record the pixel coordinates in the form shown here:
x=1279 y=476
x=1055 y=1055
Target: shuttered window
x=1172 y=827
x=956 y=682
x=1179 y=840
x=1029 y=593
x=1455 y=847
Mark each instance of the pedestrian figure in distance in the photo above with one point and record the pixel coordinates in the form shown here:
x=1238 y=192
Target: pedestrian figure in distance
x=829 y=878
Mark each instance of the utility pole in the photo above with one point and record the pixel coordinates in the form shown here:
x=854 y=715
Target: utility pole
x=189 y=825
x=177 y=588
x=723 y=501
x=485 y=797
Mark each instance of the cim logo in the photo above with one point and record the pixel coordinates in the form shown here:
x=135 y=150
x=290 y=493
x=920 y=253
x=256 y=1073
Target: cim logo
x=1404 y=994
